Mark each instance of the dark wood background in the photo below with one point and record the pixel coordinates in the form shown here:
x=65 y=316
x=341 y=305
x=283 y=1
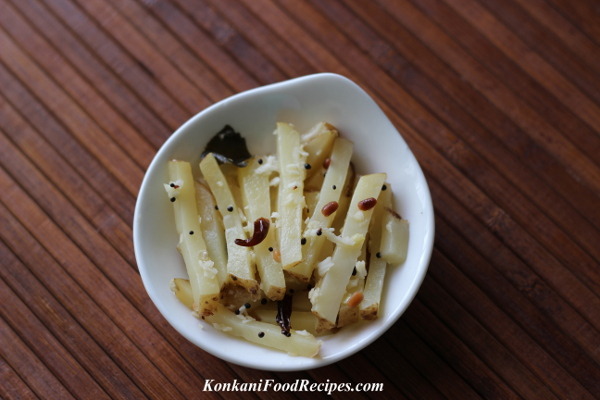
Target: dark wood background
x=499 y=101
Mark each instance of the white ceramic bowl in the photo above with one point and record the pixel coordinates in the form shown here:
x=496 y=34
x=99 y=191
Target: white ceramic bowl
x=302 y=101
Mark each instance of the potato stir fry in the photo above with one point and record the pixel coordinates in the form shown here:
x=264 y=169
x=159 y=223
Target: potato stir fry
x=283 y=248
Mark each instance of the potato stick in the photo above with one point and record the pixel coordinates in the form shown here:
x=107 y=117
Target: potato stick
x=181 y=192
x=239 y=263
x=369 y=307
x=394 y=239
x=291 y=194
x=299 y=343
x=326 y=297
x=349 y=309
x=230 y=172
x=257 y=203
x=200 y=269
x=211 y=224
x=318 y=143
x=325 y=210
x=345 y=197
x=183 y=291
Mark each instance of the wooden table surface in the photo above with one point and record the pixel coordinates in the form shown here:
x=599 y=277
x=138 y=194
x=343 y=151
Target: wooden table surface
x=499 y=101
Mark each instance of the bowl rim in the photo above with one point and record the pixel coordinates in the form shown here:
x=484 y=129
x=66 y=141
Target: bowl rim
x=424 y=259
